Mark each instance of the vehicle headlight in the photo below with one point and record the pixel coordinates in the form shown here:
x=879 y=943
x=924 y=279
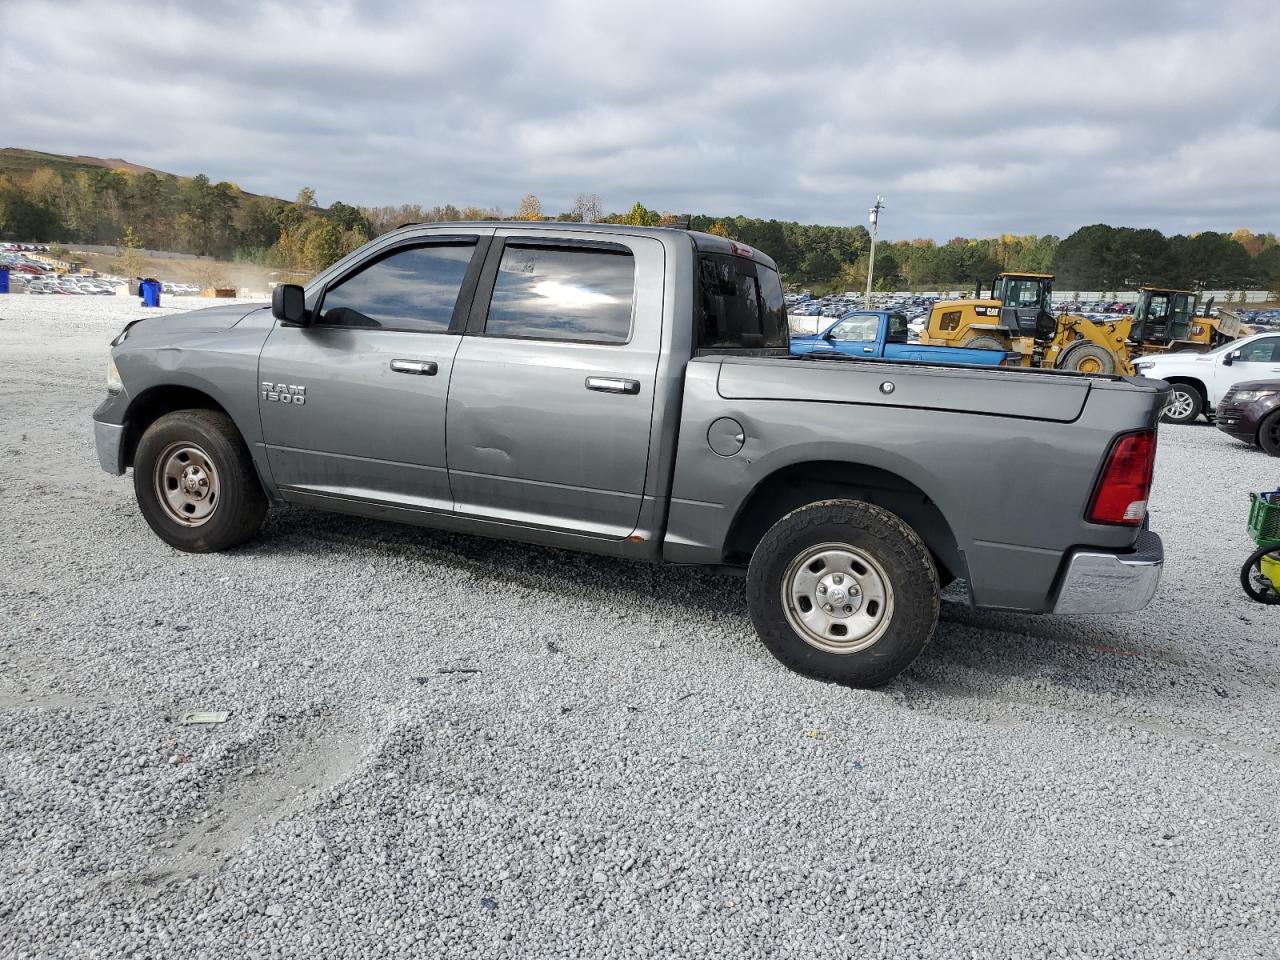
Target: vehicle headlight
x=114 y=383
x=1248 y=396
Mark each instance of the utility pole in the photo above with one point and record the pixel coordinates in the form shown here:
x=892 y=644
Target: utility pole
x=871 y=257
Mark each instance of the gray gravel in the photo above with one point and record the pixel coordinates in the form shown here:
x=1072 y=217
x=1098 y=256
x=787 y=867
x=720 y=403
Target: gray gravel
x=625 y=772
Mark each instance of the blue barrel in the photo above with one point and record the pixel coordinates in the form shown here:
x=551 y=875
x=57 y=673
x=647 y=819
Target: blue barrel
x=150 y=290
x=4 y=280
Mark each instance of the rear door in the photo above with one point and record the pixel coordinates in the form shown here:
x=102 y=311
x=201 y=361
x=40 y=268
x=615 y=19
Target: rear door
x=353 y=405
x=551 y=400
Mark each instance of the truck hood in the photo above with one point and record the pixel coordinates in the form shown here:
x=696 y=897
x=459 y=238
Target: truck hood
x=209 y=320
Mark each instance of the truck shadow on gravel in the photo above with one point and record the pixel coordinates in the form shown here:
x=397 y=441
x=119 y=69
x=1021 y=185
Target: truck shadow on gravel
x=974 y=654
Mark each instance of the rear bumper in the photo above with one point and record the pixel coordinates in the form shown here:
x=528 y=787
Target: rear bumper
x=1098 y=582
x=108 y=438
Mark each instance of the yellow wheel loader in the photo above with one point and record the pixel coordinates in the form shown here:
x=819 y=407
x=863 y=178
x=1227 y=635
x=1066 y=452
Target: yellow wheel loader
x=1017 y=317
x=1166 y=320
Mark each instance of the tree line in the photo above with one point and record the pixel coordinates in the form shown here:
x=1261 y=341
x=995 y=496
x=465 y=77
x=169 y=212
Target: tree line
x=194 y=215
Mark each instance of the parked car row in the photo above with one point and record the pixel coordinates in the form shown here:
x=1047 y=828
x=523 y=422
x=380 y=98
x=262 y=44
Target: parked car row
x=1261 y=319
x=1235 y=385
x=70 y=283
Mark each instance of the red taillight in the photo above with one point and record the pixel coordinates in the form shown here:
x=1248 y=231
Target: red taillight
x=1125 y=484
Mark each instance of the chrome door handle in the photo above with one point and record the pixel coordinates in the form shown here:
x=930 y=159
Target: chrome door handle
x=424 y=368
x=613 y=385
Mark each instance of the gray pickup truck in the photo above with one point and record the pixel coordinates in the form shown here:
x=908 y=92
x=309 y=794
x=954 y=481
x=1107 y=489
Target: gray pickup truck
x=628 y=392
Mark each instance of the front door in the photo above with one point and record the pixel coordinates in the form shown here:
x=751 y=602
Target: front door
x=1024 y=301
x=551 y=402
x=1258 y=360
x=353 y=405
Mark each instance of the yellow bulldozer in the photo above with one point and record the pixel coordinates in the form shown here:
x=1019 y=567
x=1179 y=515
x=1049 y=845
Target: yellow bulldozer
x=1165 y=320
x=1016 y=316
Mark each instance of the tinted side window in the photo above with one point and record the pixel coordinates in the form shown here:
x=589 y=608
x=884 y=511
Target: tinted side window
x=898 y=332
x=739 y=308
x=563 y=293
x=413 y=289
x=1261 y=351
x=774 y=318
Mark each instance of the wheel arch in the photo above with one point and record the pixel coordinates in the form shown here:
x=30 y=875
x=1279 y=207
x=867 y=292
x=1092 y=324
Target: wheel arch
x=798 y=484
x=153 y=403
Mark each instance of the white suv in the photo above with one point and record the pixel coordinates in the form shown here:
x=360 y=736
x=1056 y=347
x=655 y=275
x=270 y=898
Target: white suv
x=1200 y=379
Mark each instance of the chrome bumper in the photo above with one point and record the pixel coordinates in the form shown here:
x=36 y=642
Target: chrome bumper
x=109 y=440
x=1110 y=582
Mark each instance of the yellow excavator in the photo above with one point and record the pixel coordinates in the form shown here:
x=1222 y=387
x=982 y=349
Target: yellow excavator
x=1016 y=316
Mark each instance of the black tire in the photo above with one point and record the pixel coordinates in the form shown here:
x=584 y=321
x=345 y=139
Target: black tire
x=985 y=343
x=1269 y=434
x=232 y=500
x=1080 y=356
x=1258 y=587
x=1188 y=403
x=907 y=618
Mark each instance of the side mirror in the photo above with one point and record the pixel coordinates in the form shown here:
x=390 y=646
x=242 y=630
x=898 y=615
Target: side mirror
x=289 y=305
x=1231 y=358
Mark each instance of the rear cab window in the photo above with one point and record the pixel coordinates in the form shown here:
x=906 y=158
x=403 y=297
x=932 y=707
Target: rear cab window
x=738 y=307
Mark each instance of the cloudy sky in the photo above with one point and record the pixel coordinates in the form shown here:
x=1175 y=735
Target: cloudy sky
x=971 y=118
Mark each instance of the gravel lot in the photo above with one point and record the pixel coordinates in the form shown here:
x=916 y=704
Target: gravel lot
x=627 y=773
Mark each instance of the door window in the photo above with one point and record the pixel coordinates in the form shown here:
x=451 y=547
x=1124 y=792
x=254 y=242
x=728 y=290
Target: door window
x=563 y=293
x=1022 y=294
x=412 y=289
x=1261 y=351
x=863 y=327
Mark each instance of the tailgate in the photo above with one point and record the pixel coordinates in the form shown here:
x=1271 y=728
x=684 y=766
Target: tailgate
x=1027 y=395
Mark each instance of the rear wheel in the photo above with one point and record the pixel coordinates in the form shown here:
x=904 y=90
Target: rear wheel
x=1184 y=404
x=985 y=343
x=1257 y=572
x=845 y=591
x=1087 y=358
x=1269 y=433
x=195 y=483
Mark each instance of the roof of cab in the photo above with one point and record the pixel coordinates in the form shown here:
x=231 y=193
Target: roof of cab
x=704 y=242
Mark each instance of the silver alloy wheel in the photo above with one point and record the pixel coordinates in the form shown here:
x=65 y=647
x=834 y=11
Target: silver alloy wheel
x=186 y=484
x=837 y=598
x=1180 y=405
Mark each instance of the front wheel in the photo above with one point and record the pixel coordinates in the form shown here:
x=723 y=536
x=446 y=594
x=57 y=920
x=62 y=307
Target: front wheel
x=1269 y=434
x=842 y=590
x=1087 y=358
x=1184 y=404
x=195 y=483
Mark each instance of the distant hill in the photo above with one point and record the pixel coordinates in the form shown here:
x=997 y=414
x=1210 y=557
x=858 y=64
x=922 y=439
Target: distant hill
x=19 y=161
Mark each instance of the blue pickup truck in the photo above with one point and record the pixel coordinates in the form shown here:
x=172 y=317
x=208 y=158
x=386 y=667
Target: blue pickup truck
x=879 y=333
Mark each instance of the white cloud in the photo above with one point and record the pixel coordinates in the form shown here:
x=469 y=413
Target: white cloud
x=972 y=118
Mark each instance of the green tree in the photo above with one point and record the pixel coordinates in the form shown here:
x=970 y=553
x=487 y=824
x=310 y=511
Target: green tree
x=640 y=216
x=530 y=208
x=323 y=245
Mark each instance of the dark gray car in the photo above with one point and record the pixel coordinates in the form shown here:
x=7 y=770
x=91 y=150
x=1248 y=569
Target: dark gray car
x=628 y=392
